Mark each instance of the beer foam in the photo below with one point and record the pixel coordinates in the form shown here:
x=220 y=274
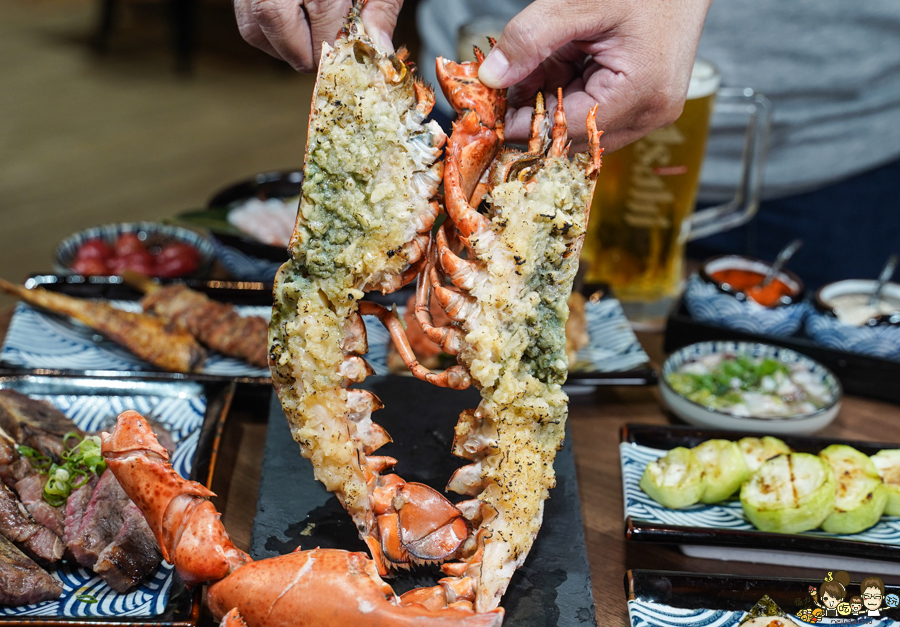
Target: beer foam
x=705 y=79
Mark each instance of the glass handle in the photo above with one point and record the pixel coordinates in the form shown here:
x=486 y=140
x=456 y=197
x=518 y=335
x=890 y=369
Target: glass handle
x=743 y=206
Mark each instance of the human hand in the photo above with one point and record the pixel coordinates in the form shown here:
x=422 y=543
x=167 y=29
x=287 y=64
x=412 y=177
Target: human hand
x=633 y=59
x=293 y=30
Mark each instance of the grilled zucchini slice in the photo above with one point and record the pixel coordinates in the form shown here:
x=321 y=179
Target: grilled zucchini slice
x=759 y=450
x=887 y=463
x=860 y=496
x=724 y=469
x=789 y=493
x=675 y=480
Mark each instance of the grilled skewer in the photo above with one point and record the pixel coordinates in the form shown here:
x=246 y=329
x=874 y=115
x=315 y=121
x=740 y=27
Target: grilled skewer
x=162 y=344
x=214 y=324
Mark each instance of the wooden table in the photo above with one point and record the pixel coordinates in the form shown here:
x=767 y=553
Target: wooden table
x=595 y=420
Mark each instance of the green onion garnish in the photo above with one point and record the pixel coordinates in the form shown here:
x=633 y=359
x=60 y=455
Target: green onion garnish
x=81 y=459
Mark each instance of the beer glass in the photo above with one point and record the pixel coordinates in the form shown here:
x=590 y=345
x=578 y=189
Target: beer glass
x=642 y=213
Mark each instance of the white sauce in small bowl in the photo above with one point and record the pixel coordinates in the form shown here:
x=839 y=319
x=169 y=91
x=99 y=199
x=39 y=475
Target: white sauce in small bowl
x=849 y=300
x=854 y=309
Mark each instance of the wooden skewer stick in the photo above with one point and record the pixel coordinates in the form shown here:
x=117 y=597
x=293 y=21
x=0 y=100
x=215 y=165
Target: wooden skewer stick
x=140 y=282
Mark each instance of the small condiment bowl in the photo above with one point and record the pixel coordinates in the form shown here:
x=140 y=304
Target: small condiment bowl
x=832 y=324
x=714 y=301
x=700 y=415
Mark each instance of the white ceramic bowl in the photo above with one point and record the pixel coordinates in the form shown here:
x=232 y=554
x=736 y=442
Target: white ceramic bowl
x=703 y=416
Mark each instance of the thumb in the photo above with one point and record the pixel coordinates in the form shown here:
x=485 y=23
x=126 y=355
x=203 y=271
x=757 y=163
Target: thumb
x=380 y=19
x=533 y=35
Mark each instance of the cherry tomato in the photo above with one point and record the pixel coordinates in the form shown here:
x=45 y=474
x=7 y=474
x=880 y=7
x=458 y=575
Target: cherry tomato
x=175 y=266
x=129 y=243
x=95 y=249
x=139 y=261
x=178 y=250
x=90 y=266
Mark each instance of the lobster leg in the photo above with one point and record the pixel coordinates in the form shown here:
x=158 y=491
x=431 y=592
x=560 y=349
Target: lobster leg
x=560 y=145
x=456 y=378
x=448 y=336
x=322 y=587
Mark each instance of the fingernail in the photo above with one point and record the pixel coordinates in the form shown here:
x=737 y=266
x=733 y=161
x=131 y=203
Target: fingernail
x=494 y=68
x=384 y=42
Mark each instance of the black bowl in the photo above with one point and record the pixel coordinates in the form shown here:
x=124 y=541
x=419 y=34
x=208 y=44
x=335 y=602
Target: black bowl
x=284 y=184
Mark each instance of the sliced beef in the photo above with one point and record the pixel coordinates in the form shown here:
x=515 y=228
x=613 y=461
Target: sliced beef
x=102 y=520
x=19 y=527
x=22 y=581
x=76 y=506
x=17 y=471
x=132 y=555
x=8 y=451
x=34 y=423
x=113 y=538
x=31 y=493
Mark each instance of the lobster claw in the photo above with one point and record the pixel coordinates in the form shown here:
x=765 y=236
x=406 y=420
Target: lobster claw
x=327 y=587
x=460 y=84
x=322 y=587
x=416 y=522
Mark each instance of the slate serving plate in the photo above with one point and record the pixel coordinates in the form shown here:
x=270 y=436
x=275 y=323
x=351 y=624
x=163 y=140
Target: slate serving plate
x=194 y=412
x=723 y=526
x=674 y=599
x=553 y=587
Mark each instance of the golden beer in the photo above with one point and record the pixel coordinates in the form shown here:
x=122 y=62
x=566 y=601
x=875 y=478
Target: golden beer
x=645 y=194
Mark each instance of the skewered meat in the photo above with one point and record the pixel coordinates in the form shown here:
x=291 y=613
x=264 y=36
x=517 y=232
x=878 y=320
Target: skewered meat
x=21 y=580
x=216 y=325
x=153 y=340
x=19 y=527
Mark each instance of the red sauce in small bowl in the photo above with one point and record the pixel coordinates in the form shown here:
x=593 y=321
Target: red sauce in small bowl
x=747 y=281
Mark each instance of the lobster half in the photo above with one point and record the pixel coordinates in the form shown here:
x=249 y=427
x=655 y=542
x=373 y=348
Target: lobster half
x=366 y=213
x=521 y=217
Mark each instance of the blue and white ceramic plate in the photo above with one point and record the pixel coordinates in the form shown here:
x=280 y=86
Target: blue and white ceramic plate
x=672 y=599
x=612 y=347
x=37 y=339
x=188 y=410
x=724 y=525
x=243 y=266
